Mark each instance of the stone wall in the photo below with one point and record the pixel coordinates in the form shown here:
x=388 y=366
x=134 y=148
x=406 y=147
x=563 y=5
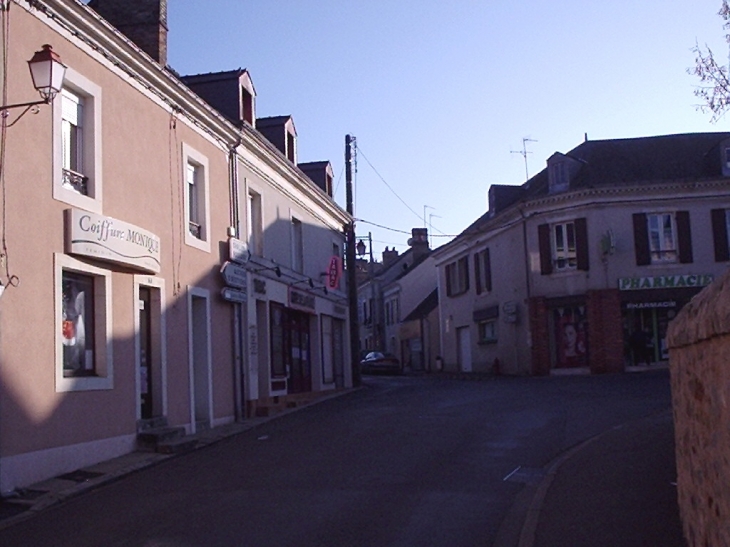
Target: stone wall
x=699 y=359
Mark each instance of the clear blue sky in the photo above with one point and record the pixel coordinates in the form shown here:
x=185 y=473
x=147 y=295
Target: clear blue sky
x=439 y=94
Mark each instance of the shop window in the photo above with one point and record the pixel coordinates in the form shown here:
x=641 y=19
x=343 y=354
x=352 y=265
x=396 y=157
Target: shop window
x=197 y=202
x=457 y=277
x=483 y=271
x=563 y=246
x=83 y=324
x=661 y=238
x=721 y=233
x=571 y=336
x=488 y=332
x=278 y=341
x=77 y=176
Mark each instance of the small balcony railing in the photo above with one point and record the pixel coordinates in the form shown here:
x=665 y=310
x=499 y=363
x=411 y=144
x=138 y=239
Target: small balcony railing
x=75 y=181
x=195 y=229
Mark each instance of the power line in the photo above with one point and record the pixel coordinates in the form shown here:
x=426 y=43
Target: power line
x=395 y=229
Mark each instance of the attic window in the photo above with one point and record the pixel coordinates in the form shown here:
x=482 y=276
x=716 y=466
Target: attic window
x=558 y=177
x=328 y=184
x=247 y=105
x=290 y=147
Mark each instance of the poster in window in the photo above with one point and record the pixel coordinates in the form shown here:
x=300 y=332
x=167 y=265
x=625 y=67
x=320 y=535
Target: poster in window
x=571 y=336
x=76 y=322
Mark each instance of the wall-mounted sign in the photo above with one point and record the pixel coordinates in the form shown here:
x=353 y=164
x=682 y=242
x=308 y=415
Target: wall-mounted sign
x=106 y=238
x=259 y=286
x=664 y=282
x=234 y=275
x=650 y=305
x=238 y=251
x=334 y=272
x=300 y=300
x=233 y=295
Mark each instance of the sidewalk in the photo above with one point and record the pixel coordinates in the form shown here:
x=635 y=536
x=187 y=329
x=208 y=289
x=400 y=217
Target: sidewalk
x=615 y=489
x=42 y=495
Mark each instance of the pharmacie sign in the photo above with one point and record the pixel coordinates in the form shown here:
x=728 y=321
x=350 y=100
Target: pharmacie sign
x=664 y=282
x=106 y=238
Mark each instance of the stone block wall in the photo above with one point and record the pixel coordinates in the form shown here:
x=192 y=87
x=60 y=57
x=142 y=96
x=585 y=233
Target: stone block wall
x=699 y=361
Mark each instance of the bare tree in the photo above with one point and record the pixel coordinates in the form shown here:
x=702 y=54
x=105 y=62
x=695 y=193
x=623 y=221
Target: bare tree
x=714 y=91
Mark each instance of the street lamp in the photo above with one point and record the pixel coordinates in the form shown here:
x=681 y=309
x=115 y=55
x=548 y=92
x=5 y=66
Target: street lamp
x=47 y=71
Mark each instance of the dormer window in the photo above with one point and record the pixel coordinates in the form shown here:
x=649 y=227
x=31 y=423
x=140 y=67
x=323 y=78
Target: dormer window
x=727 y=158
x=290 y=147
x=558 y=177
x=247 y=109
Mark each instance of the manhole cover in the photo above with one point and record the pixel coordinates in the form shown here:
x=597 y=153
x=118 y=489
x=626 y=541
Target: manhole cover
x=526 y=475
x=80 y=475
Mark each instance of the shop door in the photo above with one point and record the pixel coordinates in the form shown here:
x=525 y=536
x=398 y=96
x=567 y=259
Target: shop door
x=145 y=352
x=300 y=371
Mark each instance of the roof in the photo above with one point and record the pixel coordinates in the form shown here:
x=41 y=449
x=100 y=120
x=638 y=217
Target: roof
x=426 y=306
x=622 y=162
x=272 y=121
x=213 y=76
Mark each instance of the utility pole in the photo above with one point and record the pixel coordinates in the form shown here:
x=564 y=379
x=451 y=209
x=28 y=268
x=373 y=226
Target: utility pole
x=524 y=153
x=351 y=265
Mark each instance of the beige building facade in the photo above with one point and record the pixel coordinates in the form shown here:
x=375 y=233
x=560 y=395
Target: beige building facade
x=162 y=264
x=584 y=266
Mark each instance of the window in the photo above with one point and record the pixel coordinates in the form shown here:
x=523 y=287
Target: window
x=558 y=177
x=564 y=253
x=197 y=207
x=247 y=104
x=193 y=177
x=487 y=332
x=392 y=314
x=77 y=143
x=255 y=224
x=661 y=238
x=563 y=246
x=721 y=233
x=662 y=244
x=457 y=277
x=297 y=246
x=290 y=147
x=483 y=271
x=83 y=324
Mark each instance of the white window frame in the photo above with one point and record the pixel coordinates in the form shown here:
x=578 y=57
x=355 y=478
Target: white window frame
x=255 y=221
x=486 y=337
x=103 y=358
x=190 y=156
x=564 y=257
x=90 y=93
x=664 y=253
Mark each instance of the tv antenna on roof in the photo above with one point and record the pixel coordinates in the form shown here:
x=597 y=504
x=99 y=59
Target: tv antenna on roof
x=524 y=153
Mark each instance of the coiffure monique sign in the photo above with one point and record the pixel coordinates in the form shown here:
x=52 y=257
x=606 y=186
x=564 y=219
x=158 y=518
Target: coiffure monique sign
x=106 y=238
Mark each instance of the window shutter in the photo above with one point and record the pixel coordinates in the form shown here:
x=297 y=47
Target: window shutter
x=477 y=274
x=546 y=259
x=684 y=237
x=581 y=243
x=719 y=235
x=641 y=240
x=487 y=271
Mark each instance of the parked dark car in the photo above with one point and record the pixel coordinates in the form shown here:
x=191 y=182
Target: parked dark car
x=376 y=361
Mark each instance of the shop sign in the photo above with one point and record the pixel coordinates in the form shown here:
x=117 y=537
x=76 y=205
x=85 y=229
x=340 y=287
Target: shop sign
x=334 y=272
x=238 y=251
x=664 y=282
x=233 y=295
x=300 y=300
x=650 y=305
x=106 y=238
x=234 y=275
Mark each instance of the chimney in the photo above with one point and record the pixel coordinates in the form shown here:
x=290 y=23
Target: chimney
x=419 y=242
x=389 y=256
x=142 y=21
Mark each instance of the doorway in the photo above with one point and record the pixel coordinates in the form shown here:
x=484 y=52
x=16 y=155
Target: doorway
x=463 y=348
x=200 y=359
x=145 y=353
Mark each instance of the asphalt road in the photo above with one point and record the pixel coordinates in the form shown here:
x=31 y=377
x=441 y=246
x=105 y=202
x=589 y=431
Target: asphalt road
x=406 y=461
